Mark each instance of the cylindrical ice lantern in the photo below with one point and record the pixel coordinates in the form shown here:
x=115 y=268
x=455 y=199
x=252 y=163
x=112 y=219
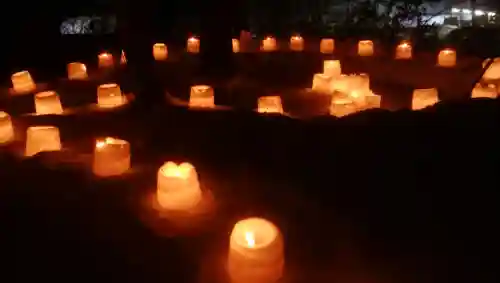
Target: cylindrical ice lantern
x=109 y=96
x=178 y=187
x=327 y=45
x=193 y=45
x=105 y=60
x=342 y=106
x=77 y=71
x=447 y=58
x=256 y=252
x=365 y=48
x=111 y=157
x=47 y=102
x=236 y=45
x=489 y=91
x=22 y=82
x=322 y=83
x=160 y=52
x=42 y=138
x=423 y=98
x=404 y=51
x=202 y=96
x=296 y=43
x=269 y=104
x=6 y=128
x=269 y=44
x=332 y=68
x=493 y=72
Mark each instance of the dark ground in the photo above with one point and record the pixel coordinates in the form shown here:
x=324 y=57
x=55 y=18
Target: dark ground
x=379 y=196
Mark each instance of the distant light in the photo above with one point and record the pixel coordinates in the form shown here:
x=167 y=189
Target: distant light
x=455 y=10
x=492 y=14
x=478 y=13
x=466 y=11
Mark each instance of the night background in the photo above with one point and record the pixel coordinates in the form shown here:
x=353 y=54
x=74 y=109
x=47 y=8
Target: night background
x=384 y=194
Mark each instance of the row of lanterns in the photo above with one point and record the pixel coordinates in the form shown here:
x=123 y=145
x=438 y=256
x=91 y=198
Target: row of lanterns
x=255 y=246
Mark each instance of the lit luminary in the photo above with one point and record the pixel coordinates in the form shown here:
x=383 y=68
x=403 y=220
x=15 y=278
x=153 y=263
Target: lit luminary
x=178 y=188
x=6 y=128
x=123 y=58
x=269 y=104
x=193 y=45
x=341 y=84
x=447 y=58
x=327 y=45
x=342 y=106
x=296 y=43
x=423 y=98
x=77 y=71
x=109 y=96
x=47 y=102
x=373 y=100
x=404 y=51
x=493 y=72
x=42 y=138
x=105 y=60
x=111 y=157
x=332 y=68
x=160 y=51
x=22 y=82
x=269 y=44
x=202 y=96
x=255 y=252
x=365 y=48
x=322 y=83
x=486 y=92
x=236 y=45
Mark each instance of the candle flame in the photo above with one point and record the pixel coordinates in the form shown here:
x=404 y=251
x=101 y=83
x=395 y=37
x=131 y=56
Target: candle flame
x=182 y=171
x=250 y=238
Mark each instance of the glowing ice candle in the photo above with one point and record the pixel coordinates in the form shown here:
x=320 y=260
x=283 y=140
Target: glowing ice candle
x=178 y=187
x=341 y=84
x=160 y=51
x=365 y=48
x=109 y=96
x=255 y=252
x=111 y=157
x=47 y=102
x=327 y=45
x=22 y=82
x=332 y=68
x=123 y=58
x=296 y=43
x=202 y=96
x=342 y=106
x=423 y=98
x=105 y=60
x=42 y=138
x=6 y=128
x=493 y=72
x=373 y=100
x=193 y=45
x=269 y=44
x=77 y=71
x=322 y=83
x=236 y=45
x=486 y=92
x=447 y=58
x=404 y=51
x=269 y=104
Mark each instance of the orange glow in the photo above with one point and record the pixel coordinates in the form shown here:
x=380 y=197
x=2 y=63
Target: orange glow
x=327 y=45
x=105 y=60
x=297 y=43
x=236 y=45
x=365 y=48
x=111 y=157
x=22 y=82
x=342 y=106
x=250 y=238
x=404 y=51
x=202 y=96
x=489 y=91
x=42 y=138
x=160 y=51
x=6 y=128
x=493 y=72
x=178 y=187
x=110 y=96
x=170 y=169
x=77 y=71
x=447 y=58
x=193 y=45
x=269 y=104
x=322 y=83
x=47 y=102
x=269 y=44
x=423 y=98
x=332 y=68
x=123 y=58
